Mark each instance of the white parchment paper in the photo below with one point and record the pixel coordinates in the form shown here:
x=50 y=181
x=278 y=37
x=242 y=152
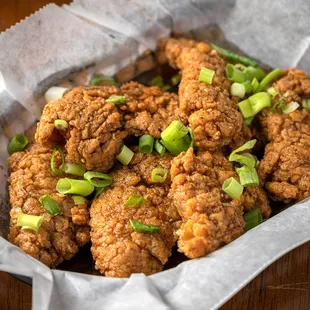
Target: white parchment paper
x=106 y=36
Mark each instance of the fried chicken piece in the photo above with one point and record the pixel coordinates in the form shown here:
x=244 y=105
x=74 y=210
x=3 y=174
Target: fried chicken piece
x=285 y=168
x=60 y=236
x=117 y=249
x=213 y=114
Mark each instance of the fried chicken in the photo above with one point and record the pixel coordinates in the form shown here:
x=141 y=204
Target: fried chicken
x=60 y=236
x=285 y=168
x=117 y=249
x=213 y=114
x=97 y=128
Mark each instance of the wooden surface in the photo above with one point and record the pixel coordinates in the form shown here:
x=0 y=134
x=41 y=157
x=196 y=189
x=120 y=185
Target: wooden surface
x=284 y=285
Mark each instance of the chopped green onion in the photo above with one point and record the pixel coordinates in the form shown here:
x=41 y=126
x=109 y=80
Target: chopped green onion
x=244 y=159
x=206 y=75
x=191 y=134
x=143 y=228
x=248 y=176
x=125 y=155
x=159 y=147
x=98 y=191
x=291 y=107
x=54 y=93
x=159 y=175
x=146 y=143
x=135 y=200
x=50 y=205
x=255 y=85
x=27 y=221
x=272 y=92
x=237 y=89
x=61 y=124
x=166 y=87
x=176 y=79
x=248 y=87
x=246 y=146
x=116 y=99
x=252 y=219
x=232 y=188
x=176 y=130
x=251 y=73
x=234 y=74
x=93 y=176
x=17 y=144
x=251 y=106
x=269 y=78
x=248 y=120
x=79 y=200
x=102 y=78
x=71 y=186
x=75 y=169
x=54 y=169
x=234 y=57
x=306 y=104
x=177 y=146
x=157 y=81
x=241 y=67
x=279 y=104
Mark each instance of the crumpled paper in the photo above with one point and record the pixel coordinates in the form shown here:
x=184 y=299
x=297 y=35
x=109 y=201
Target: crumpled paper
x=105 y=37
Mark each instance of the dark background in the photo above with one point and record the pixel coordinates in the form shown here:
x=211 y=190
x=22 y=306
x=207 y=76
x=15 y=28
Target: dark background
x=284 y=285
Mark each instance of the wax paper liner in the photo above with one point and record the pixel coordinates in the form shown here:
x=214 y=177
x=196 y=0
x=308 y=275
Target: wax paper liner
x=99 y=36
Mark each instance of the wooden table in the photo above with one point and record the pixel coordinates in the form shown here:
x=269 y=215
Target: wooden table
x=284 y=285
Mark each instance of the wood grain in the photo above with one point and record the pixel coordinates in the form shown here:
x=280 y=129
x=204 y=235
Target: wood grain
x=284 y=285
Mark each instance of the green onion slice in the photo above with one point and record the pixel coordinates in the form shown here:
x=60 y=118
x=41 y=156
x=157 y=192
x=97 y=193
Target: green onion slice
x=206 y=75
x=248 y=176
x=248 y=87
x=71 y=186
x=79 y=200
x=251 y=73
x=248 y=120
x=159 y=147
x=144 y=228
x=234 y=74
x=237 y=89
x=177 y=146
x=98 y=191
x=116 y=99
x=232 y=188
x=98 y=179
x=54 y=93
x=17 y=144
x=255 y=85
x=27 y=221
x=252 y=219
x=176 y=79
x=191 y=134
x=61 y=124
x=244 y=159
x=234 y=57
x=176 y=130
x=157 y=81
x=53 y=167
x=135 y=200
x=279 y=104
x=50 y=205
x=102 y=78
x=306 y=104
x=125 y=155
x=166 y=87
x=246 y=146
x=269 y=78
x=159 y=175
x=74 y=169
x=272 y=92
x=291 y=107
x=254 y=104
x=146 y=143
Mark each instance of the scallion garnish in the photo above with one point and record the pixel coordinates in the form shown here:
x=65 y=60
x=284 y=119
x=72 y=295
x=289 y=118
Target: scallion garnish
x=159 y=175
x=248 y=176
x=159 y=147
x=291 y=107
x=255 y=85
x=246 y=146
x=61 y=124
x=251 y=73
x=27 y=221
x=53 y=166
x=279 y=104
x=248 y=120
x=254 y=104
x=176 y=130
x=54 y=93
x=176 y=79
x=191 y=134
x=248 y=87
x=71 y=186
x=237 y=89
x=144 y=228
x=135 y=200
x=50 y=205
x=232 y=188
x=206 y=75
x=146 y=143
x=272 y=92
x=234 y=57
x=157 y=81
x=269 y=78
x=306 y=104
x=98 y=191
x=79 y=200
x=102 y=78
x=177 y=146
x=125 y=155
x=98 y=179
x=116 y=99
x=234 y=74
x=17 y=144
x=74 y=169
x=252 y=219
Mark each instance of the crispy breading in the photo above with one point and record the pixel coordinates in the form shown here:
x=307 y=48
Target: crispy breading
x=60 y=236
x=117 y=249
